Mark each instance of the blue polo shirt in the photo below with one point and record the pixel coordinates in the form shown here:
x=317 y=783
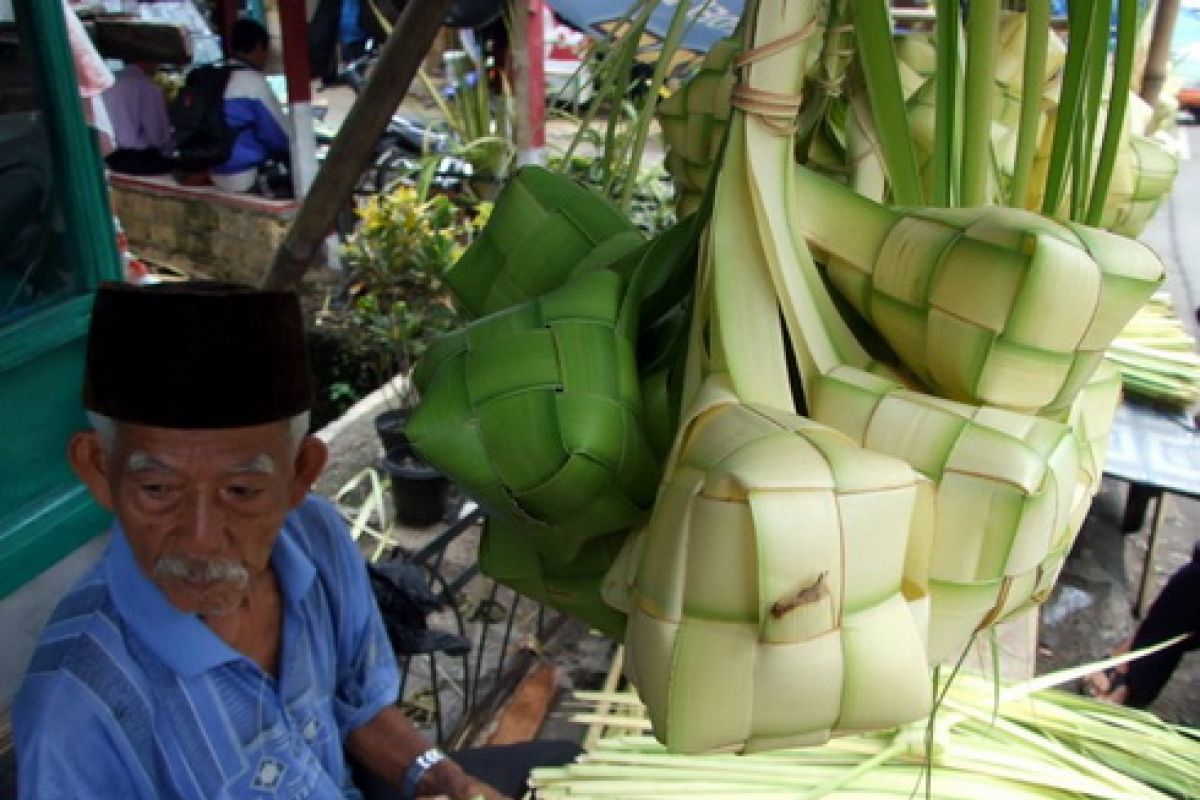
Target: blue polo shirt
x=126 y=697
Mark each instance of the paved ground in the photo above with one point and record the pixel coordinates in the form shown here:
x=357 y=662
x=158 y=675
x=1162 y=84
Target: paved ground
x=1090 y=609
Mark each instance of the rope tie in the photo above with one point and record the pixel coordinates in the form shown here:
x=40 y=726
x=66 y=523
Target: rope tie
x=835 y=59
x=775 y=110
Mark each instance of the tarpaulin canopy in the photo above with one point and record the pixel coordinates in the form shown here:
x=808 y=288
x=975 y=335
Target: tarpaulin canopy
x=711 y=19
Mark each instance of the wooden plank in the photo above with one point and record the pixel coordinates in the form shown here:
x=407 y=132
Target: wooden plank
x=352 y=149
x=522 y=717
x=140 y=40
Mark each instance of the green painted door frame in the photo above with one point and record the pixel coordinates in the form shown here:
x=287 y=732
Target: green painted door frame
x=44 y=512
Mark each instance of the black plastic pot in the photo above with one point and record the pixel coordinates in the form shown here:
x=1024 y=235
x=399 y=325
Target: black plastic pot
x=418 y=490
x=390 y=427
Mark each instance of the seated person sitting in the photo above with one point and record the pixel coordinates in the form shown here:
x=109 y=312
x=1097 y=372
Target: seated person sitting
x=227 y=644
x=252 y=111
x=141 y=127
x=1175 y=612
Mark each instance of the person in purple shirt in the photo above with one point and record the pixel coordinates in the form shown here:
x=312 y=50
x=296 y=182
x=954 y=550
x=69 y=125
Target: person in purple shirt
x=227 y=644
x=141 y=127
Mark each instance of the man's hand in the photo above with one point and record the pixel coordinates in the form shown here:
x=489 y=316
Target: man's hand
x=388 y=744
x=455 y=784
x=479 y=789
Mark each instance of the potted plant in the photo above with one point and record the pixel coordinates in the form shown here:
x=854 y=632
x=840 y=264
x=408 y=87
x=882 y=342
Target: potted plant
x=480 y=119
x=396 y=302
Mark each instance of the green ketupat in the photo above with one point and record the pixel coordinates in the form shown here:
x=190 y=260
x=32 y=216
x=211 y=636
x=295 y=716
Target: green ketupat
x=561 y=371
x=544 y=230
x=693 y=122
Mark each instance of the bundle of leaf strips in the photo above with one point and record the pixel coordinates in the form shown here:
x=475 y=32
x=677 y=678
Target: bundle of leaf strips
x=1157 y=357
x=1044 y=744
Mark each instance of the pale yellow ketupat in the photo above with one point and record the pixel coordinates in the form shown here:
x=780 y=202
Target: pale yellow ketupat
x=1007 y=488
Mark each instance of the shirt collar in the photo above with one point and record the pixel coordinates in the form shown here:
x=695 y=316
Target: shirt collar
x=184 y=643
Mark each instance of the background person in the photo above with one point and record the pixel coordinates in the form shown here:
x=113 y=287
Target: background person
x=1175 y=611
x=252 y=111
x=141 y=125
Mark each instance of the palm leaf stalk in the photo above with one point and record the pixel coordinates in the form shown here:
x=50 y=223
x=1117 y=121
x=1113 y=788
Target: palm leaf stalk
x=1097 y=60
x=1033 y=81
x=877 y=54
x=1034 y=742
x=1070 y=106
x=983 y=22
x=947 y=100
x=1118 y=102
x=680 y=24
x=611 y=64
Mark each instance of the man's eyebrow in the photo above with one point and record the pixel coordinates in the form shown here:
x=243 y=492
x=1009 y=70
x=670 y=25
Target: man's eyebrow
x=261 y=464
x=140 y=461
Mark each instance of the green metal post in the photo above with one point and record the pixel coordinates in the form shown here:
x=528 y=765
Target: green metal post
x=78 y=174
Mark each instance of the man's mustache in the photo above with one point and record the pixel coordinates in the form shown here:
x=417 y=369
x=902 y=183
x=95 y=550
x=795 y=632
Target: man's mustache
x=194 y=570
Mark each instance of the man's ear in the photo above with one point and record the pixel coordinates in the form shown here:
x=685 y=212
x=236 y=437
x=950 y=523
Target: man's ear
x=86 y=455
x=310 y=460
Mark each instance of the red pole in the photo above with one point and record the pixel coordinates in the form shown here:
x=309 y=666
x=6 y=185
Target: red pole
x=293 y=24
x=227 y=14
x=536 y=91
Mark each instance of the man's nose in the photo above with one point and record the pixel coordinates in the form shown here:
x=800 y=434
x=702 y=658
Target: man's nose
x=205 y=523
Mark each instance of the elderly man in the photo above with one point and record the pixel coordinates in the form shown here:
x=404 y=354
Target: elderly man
x=227 y=644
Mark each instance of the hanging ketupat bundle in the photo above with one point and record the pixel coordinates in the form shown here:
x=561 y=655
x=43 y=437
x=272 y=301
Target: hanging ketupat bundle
x=779 y=553
x=783 y=553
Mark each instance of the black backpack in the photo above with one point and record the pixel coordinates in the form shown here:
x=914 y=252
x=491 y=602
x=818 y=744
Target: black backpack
x=202 y=137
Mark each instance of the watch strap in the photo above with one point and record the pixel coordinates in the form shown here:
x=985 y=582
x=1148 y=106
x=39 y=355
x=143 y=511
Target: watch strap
x=416 y=771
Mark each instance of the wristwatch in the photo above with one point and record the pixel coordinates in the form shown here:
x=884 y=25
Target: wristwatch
x=416 y=771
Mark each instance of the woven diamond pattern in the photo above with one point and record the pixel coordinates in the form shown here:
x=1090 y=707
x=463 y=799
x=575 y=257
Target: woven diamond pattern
x=971 y=320
x=693 y=122
x=544 y=230
x=765 y=547
x=1008 y=490
x=561 y=371
x=508 y=554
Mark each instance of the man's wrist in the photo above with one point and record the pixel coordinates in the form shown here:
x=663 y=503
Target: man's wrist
x=420 y=776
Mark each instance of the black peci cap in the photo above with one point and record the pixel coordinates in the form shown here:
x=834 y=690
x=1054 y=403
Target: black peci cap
x=196 y=354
